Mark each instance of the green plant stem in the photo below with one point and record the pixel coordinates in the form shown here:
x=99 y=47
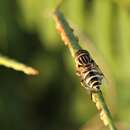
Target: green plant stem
x=105 y=114
x=66 y=33
x=72 y=43
x=11 y=63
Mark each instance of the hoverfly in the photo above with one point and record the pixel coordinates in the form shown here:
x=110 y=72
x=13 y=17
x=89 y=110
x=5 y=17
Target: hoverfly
x=89 y=72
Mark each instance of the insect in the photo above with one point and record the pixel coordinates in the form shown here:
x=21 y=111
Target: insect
x=89 y=72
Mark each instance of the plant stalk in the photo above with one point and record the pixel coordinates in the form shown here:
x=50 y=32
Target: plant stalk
x=71 y=41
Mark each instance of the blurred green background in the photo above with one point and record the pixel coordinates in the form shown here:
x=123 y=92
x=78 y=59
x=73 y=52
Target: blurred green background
x=54 y=100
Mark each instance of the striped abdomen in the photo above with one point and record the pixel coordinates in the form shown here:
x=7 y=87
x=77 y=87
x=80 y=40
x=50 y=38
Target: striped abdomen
x=88 y=70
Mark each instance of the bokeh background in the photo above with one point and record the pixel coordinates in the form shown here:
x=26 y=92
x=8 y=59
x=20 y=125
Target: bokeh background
x=54 y=100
